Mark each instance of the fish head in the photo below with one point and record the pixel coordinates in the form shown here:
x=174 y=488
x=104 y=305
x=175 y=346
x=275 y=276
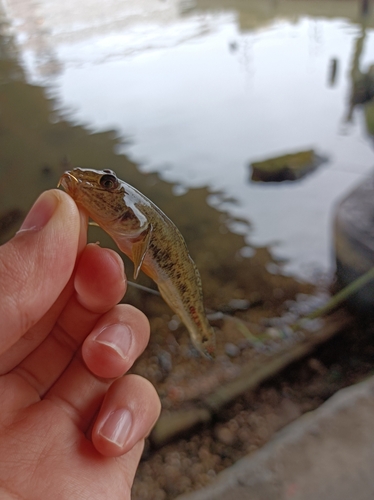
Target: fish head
x=104 y=197
x=97 y=191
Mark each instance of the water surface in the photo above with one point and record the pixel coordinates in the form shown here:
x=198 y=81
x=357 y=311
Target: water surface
x=197 y=91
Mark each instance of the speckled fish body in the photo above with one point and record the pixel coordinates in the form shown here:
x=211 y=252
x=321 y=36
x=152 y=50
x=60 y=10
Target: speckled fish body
x=146 y=235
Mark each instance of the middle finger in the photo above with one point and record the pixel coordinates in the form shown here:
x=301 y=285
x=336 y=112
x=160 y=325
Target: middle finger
x=99 y=283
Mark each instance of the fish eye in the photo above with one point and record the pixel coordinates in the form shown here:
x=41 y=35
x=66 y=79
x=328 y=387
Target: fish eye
x=109 y=181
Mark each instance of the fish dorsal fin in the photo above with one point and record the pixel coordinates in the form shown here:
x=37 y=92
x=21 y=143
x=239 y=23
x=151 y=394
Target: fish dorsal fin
x=139 y=249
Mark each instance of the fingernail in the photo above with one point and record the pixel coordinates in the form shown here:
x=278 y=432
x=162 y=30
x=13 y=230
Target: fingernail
x=117 y=426
x=40 y=213
x=118 y=337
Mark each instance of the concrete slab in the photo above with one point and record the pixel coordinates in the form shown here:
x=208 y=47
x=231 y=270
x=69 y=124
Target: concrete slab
x=327 y=454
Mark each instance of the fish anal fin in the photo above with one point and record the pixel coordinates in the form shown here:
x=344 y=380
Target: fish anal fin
x=139 y=249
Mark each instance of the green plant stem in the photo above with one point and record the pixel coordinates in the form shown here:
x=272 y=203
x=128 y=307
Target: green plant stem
x=343 y=294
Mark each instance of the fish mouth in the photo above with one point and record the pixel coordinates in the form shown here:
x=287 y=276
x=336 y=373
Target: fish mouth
x=68 y=181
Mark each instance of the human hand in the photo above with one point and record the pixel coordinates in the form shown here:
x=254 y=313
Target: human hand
x=69 y=426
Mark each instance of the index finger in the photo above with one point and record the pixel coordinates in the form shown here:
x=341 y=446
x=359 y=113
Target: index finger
x=37 y=264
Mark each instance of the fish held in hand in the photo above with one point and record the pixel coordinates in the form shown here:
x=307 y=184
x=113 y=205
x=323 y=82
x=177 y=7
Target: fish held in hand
x=151 y=240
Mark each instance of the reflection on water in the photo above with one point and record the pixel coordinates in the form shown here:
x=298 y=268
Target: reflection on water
x=199 y=90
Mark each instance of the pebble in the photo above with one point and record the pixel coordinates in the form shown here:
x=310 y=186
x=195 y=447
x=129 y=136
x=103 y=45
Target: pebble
x=239 y=304
x=273 y=333
x=173 y=324
x=204 y=454
x=225 y=435
x=165 y=361
x=317 y=366
x=232 y=350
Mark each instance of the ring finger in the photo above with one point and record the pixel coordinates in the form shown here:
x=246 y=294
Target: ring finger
x=79 y=391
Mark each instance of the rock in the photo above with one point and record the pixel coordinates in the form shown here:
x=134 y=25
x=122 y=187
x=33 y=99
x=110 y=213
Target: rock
x=354 y=243
x=290 y=167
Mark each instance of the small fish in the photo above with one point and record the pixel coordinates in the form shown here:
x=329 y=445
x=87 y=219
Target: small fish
x=154 y=244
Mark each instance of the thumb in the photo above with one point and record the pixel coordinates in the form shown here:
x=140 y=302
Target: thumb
x=37 y=263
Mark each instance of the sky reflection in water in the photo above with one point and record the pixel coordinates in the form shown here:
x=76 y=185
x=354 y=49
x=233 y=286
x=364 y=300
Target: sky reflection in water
x=198 y=100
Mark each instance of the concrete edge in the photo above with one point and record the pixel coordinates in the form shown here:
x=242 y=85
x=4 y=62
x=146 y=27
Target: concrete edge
x=327 y=453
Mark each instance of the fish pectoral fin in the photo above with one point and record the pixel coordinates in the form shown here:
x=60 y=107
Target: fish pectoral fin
x=139 y=249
